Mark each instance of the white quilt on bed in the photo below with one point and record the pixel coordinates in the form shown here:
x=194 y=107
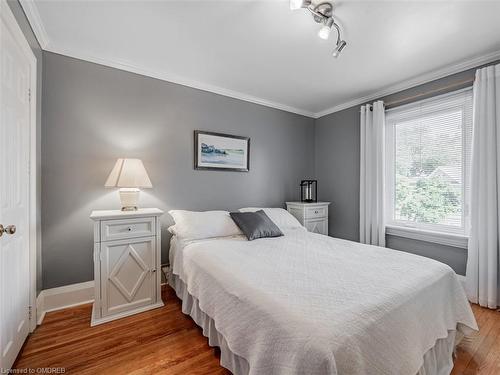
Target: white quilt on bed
x=311 y=304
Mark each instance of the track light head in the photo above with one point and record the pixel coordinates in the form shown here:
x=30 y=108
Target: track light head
x=324 y=32
x=338 y=48
x=297 y=4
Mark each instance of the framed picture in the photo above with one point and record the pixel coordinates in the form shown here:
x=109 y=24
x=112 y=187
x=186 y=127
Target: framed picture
x=224 y=152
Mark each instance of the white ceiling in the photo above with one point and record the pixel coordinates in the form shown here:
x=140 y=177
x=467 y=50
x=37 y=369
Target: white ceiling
x=263 y=52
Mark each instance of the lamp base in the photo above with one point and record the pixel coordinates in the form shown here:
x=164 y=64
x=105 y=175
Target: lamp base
x=129 y=198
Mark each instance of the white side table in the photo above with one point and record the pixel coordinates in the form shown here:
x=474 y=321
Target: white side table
x=127 y=251
x=313 y=216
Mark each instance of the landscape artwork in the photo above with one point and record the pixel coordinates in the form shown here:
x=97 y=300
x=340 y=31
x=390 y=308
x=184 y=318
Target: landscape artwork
x=218 y=151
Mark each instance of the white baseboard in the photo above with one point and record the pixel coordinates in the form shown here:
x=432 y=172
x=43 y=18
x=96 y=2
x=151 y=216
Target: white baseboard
x=63 y=297
x=40 y=312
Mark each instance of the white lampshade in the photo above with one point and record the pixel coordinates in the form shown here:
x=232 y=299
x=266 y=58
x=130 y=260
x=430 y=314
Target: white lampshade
x=128 y=173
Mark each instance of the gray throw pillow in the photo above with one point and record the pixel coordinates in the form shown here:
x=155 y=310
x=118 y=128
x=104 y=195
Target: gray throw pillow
x=255 y=224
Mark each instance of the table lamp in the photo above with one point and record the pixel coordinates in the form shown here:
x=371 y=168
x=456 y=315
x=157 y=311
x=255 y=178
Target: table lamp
x=129 y=175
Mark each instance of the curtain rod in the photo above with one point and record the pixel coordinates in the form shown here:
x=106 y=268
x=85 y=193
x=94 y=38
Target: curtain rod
x=463 y=83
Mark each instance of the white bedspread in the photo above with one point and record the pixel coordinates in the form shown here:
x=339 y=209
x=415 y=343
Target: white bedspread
x=311 y=304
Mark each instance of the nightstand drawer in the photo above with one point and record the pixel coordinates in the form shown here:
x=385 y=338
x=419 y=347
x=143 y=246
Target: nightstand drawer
x=127 y=228
x=316 y=212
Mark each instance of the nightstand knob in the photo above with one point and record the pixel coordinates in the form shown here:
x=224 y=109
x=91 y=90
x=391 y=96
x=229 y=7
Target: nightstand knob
x=129 y=229
x=316 y=211
x=153 y=270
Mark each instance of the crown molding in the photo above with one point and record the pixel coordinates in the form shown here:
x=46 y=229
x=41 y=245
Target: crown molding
x=425 y=78
x=126 y=66
x=31 y=11
x=114 y=63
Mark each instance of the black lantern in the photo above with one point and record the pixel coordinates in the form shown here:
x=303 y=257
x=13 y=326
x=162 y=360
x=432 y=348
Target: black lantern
x=309 y=191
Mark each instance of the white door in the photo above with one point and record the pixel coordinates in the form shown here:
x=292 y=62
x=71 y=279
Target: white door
x=15 y=68
x=128 y=279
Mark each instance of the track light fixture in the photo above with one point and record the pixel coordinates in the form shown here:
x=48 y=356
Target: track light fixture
x=322 y=13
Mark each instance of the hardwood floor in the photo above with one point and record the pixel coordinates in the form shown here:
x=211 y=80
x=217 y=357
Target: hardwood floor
x=480 y=354
x=160 y=341
x=165 y=341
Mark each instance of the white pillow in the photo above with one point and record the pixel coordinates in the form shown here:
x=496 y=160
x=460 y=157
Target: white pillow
x=193 y=225
x=281 y=217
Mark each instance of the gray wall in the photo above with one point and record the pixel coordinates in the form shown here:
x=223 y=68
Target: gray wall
x=93 y=114
x=22 y=21
x=337 y=169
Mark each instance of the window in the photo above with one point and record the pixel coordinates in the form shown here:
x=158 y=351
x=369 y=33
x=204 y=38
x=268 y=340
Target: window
x=428 y=147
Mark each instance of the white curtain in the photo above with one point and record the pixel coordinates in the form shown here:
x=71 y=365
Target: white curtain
x=372 y=173
x=483 y=252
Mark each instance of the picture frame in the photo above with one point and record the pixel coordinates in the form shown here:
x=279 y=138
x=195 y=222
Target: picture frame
x=221 y=152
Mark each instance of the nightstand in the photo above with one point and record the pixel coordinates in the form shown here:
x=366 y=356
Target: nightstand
x=313 y=216
x=127 y=274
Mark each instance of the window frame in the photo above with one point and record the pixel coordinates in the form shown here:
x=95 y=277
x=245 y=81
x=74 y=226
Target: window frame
x=437 y=233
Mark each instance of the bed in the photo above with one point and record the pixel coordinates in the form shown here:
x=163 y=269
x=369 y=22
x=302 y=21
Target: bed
x=305 y=303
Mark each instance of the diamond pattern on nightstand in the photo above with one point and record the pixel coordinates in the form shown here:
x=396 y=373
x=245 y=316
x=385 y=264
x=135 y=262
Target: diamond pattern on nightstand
x=129 y=262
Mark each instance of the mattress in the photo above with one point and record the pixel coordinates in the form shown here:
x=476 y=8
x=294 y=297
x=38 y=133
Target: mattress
x=306 y=303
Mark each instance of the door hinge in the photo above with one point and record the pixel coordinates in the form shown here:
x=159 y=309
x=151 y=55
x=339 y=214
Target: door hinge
x=29 y=95
x=30 y=312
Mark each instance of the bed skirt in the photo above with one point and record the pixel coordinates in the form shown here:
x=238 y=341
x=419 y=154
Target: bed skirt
x=437 y=361
x=234 y=363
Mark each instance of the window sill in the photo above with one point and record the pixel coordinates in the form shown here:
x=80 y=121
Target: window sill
x=448 y=239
